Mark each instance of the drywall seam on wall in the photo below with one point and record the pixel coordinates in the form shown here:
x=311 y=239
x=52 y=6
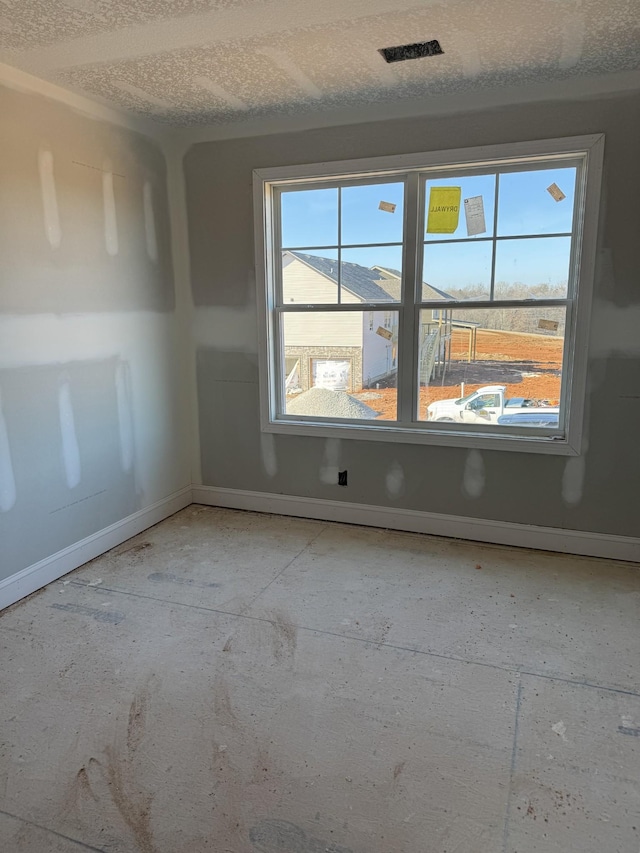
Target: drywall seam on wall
x=617 y=330
x=394 y=481
x=330 y=462
x=176 y=189
x=573 y=480
x=7 y=477
x=50 y=209
x=473 y=479
x=149 y=222
x=110 y=216
x=226 y=329
x=70 y=448
x=268 y=453
x=35 y=340
x=125 y=416
x=145 y=344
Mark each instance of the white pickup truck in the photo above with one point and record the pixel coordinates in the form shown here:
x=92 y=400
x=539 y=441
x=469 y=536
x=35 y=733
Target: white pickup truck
x=484 y=406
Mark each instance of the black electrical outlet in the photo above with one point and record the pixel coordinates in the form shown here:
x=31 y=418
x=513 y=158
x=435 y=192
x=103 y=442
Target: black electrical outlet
x=342 y=478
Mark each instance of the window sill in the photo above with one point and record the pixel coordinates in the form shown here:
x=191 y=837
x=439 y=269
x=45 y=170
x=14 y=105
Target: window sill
x=545 y=444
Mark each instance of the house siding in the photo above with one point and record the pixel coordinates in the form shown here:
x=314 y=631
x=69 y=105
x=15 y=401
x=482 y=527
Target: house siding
x=304 y=285
x=377 y=350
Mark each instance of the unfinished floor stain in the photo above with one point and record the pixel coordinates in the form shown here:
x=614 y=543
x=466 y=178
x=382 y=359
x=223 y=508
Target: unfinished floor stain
x=113 y=617
x=169 y=577
x=79 y=788
x=134 y=807
x=397 y=770
x=137 y=720
x=273 y=836
x=357 y=692
x=284 y=637
x=134 y=550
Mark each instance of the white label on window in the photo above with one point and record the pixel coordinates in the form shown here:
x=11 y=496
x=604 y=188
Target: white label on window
x=551 y=325
x=555 y=192
x=474 y=214
x=389 y=206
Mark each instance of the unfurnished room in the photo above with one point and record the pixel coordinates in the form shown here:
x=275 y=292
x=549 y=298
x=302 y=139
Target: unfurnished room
x=319 y=418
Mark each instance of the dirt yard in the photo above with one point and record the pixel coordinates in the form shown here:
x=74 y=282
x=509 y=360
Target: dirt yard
x=529 y=365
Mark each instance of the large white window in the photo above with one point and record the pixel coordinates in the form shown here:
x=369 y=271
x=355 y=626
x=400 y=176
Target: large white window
x=437 y=298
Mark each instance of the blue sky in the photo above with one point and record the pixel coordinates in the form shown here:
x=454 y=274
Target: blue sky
x=310 y=219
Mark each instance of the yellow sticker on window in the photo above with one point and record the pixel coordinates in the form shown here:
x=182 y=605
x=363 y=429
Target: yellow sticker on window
x=444 y=210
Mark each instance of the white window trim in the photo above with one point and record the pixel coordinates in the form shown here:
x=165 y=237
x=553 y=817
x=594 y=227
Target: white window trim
x=592 y=147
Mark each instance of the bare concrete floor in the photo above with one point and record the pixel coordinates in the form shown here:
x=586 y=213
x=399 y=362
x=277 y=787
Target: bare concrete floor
x=243 y=683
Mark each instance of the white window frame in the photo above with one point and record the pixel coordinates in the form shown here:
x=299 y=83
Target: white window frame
x=588 y=149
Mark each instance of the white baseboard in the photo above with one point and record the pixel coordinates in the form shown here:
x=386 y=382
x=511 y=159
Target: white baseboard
x=454 y=526
x=34 y=577
x=52 y=568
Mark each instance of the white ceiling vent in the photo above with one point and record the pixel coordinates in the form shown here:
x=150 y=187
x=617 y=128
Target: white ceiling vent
x=411 y=51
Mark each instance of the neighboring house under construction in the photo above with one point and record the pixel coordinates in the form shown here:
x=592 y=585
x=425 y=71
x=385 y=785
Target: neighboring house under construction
x=350 y=351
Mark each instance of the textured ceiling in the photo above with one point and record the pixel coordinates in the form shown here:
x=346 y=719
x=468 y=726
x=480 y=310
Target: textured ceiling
x=191 y=62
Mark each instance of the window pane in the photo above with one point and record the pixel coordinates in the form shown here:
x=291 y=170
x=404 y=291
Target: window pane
x=457 y=270
x=309 y=218
x=363 y=220
x=480 y=189
x=372 y=274
x=525 y=206
x=310 y=279
x=479 y=352
x=532 y=269
x=340 y=364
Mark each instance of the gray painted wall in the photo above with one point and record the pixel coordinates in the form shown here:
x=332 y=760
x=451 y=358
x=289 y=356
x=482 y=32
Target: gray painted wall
x=596 y=492
x=91 y=415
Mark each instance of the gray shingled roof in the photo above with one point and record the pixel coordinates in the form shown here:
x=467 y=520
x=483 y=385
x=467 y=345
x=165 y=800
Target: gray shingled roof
x=361 y=281
x=443 y=294
x=368 y=284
